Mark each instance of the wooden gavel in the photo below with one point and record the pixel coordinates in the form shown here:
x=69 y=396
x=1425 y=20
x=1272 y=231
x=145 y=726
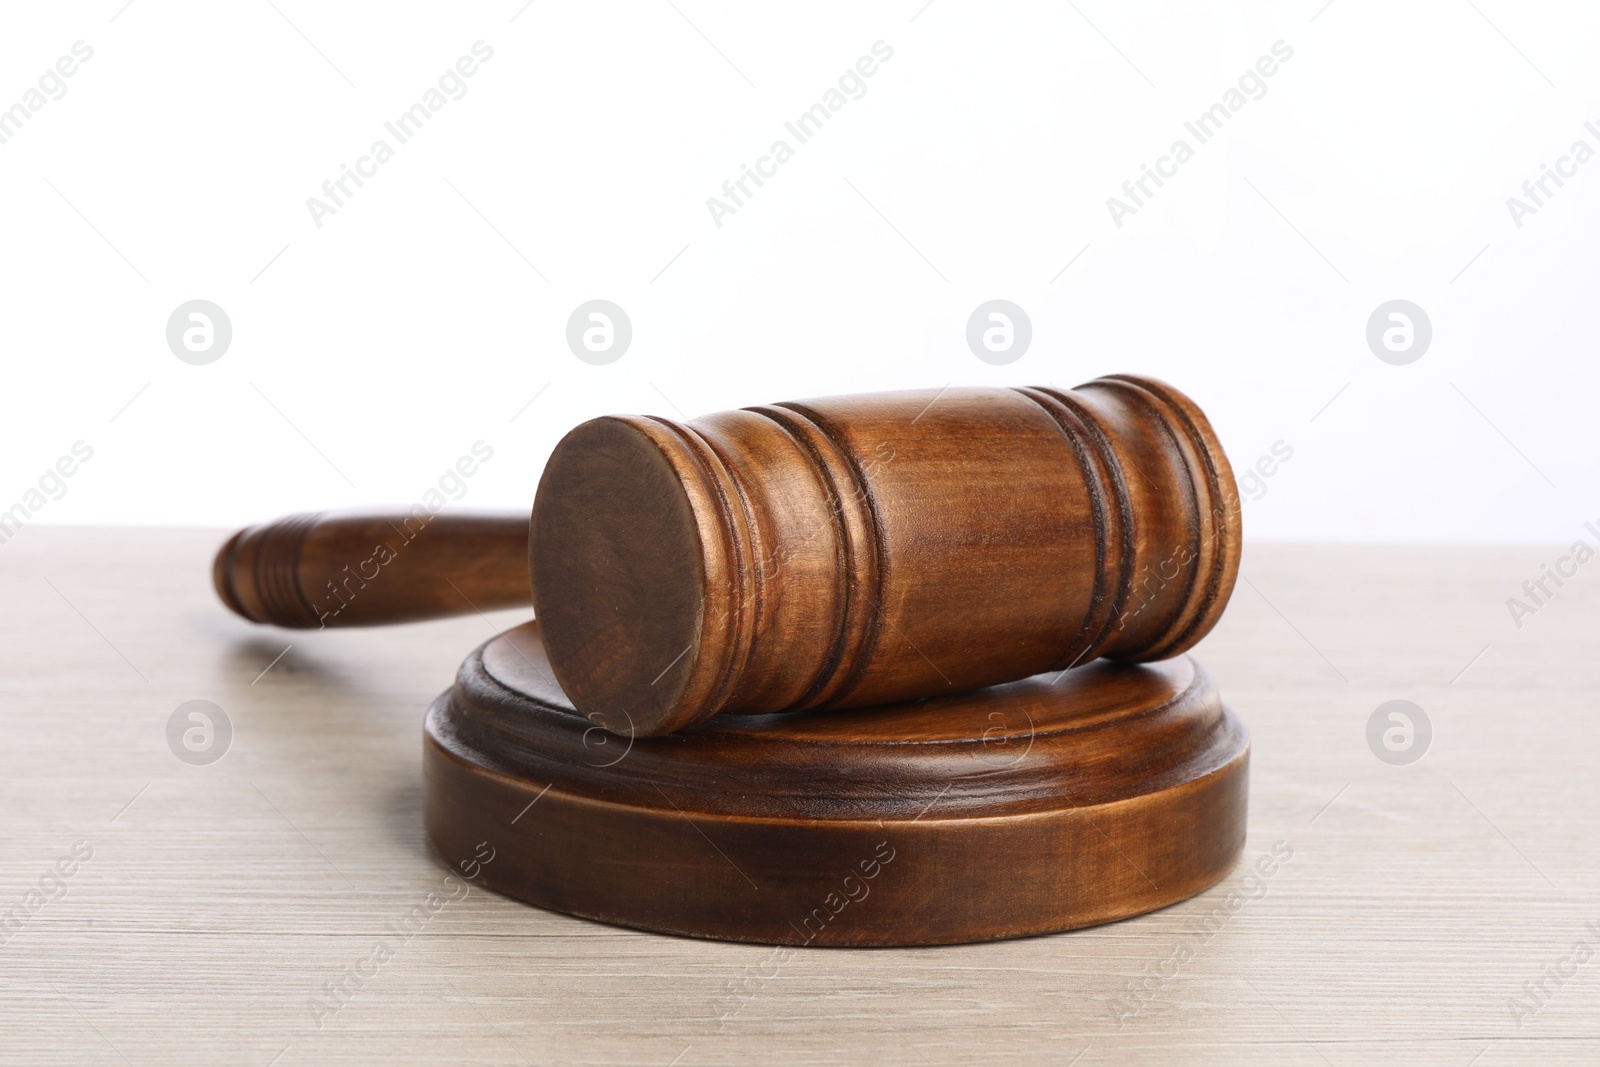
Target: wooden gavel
x=828 y=553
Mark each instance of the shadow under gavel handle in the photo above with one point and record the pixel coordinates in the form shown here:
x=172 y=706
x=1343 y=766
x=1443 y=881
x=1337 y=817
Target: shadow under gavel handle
x=374 y=567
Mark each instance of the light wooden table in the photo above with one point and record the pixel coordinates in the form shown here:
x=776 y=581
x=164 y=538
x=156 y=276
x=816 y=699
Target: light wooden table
x=221 y=900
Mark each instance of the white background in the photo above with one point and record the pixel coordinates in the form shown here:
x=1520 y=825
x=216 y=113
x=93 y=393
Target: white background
x=415 y=321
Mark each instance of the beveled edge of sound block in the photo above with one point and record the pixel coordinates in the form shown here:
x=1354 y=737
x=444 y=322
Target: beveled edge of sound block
x=1033 y=807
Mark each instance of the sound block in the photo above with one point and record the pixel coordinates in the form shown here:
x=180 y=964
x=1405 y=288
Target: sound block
x=1056 y=802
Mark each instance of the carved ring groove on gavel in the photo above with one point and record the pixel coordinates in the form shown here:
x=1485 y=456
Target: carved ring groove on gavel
x=830 y=553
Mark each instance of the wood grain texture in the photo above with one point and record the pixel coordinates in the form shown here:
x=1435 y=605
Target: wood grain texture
x=224 y=898
x=1103 y=791
x=369 y=566
x=850 y=551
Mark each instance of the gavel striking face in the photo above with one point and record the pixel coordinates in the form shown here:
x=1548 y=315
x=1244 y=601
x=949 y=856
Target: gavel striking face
x=830 y=553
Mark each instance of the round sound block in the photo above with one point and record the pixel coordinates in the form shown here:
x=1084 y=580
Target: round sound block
x=1041 y=805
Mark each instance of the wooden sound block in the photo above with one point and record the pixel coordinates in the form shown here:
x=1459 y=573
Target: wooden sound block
x=1055 y=802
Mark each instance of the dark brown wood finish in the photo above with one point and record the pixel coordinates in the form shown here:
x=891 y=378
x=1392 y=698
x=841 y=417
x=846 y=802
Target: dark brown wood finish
x=849 y=551
x=839 y=552
x=1046 y=804
x=358 y=568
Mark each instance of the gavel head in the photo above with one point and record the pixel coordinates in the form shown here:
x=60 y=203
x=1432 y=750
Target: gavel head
x=855 y=550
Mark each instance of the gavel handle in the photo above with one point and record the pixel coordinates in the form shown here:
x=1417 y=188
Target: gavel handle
x=372 y=567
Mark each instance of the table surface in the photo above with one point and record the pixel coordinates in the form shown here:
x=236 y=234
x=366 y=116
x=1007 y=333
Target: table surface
x=1441 y=912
